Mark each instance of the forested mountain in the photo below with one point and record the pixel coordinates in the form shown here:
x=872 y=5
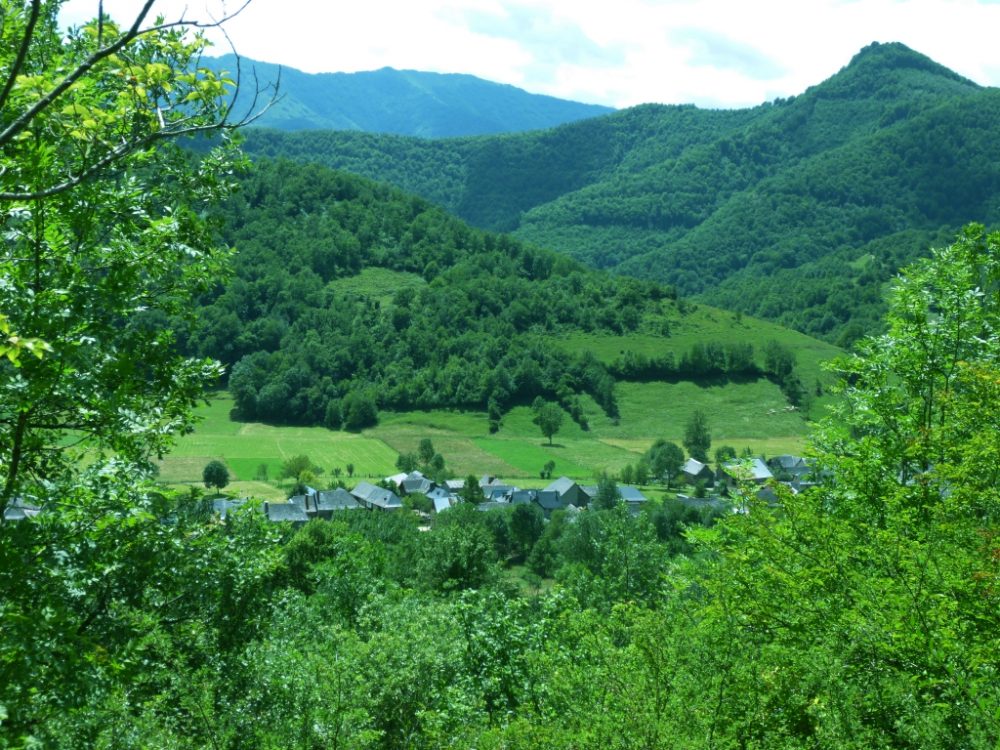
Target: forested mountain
x=404 y=102
x=798 y=210
x=352 y=296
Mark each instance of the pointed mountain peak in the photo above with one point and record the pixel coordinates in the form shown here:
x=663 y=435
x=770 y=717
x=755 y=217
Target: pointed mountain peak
x=889 y=71
x=894 y=58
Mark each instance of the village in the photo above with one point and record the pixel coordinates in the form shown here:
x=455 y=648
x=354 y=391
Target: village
x=397 y=492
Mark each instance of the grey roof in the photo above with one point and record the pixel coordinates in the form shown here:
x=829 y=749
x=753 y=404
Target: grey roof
x=562 y=485
x=438 y=492
x=285 y=512
x=441 y=504
x=338 y=499
x=694 y=467
x=548 y=499
x=370 y=495
x=223 y=506
x=522 y=497
x=364 y=490
x=499 y=493
x=754 y=469
x=301 y=501
x=18 y=510
x=590 y=490
x=631 y=494
x=397 y=479
x=420 y=484
x=787 y=461
x=454 y=484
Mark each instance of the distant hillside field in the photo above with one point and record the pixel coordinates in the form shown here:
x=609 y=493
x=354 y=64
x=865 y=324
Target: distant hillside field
x=798 y=210
x=403 y=102
x=361 y=319
x=750 y=416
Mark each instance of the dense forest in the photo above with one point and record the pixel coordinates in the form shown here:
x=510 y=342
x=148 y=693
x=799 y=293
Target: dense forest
x=799 y=210
x=461 y=320
x=404 y=102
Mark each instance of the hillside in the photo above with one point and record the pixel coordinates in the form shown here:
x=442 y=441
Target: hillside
x=403 y=102
x=352 y=297
x=798 y=210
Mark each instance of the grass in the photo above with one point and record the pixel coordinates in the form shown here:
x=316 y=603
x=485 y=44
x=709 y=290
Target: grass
x=750 y=415
x=377 y=284
x=245 y=446
x=745 y=415
x=705 y=323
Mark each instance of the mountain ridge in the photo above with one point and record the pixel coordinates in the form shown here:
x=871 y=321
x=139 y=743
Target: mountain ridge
x=401 y=102
x=887 y=156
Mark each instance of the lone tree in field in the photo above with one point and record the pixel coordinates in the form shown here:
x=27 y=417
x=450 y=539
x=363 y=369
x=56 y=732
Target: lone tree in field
x=215 y=475
x=548 y=417
x=425 y=452
x=697 y=438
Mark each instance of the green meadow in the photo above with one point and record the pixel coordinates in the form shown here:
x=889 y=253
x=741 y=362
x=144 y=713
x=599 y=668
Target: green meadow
x=744 y=415
x=702 y=324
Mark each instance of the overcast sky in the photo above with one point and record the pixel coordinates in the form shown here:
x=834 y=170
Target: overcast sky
x=713 y=53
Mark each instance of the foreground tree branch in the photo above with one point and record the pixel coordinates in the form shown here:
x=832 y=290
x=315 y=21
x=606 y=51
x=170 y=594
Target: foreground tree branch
x=104 y=236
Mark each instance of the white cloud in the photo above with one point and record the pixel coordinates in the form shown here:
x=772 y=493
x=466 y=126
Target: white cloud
x=710 y=52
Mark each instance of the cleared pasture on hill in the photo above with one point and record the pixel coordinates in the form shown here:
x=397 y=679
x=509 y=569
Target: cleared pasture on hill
x=376 y=283
x=245 y=446
x=703 y=324
x=744 y=415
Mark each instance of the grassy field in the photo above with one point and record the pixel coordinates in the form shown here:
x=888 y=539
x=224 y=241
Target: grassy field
x=376 y=283
x=711 y=324
x=751 y=415
x=245 y=446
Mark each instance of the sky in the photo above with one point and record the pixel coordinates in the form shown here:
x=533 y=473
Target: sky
x=712 y=53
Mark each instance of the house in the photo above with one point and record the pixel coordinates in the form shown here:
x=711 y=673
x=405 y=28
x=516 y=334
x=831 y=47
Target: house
x=522 y=497
x=454 y=485
x=569 y=492
x=547 y=500
x=744 y=470
x=327 y=502
x=440 y=492
x=498 y=493
x=396 y=480
x=19 y=510
x=416 y=482
x=788 y=468
x=695 y=471
x=285 y=513
x=633 y=498
x=376 y=498
x=223 y=506
x=442 y=503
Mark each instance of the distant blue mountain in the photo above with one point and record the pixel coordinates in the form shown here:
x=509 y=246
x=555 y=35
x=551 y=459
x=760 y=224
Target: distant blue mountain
x=401 y=102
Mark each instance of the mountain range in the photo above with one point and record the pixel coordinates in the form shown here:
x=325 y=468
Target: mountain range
x=402 y=102
x=798 y=210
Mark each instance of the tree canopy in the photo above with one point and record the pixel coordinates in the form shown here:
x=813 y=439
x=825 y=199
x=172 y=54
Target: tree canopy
x=104 y=235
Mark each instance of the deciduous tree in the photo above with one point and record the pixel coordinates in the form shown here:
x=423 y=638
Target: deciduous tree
x=215 y=475
x=548 y=417
x=104 y=236
x=697 y=438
